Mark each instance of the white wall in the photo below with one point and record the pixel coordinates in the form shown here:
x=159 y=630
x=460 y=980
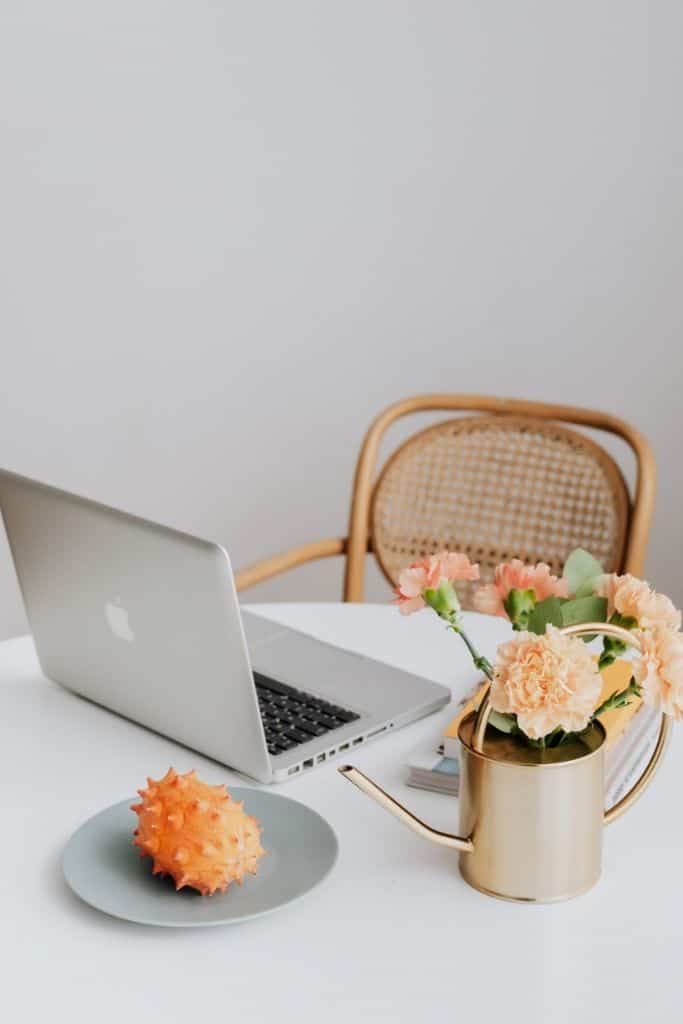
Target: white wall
x=231 y=232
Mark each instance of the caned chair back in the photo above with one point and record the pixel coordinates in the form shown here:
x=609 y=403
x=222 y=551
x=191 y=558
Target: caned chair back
x=515 y=484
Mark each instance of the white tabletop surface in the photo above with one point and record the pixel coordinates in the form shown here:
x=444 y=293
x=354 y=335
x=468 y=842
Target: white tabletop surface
x=394 y=934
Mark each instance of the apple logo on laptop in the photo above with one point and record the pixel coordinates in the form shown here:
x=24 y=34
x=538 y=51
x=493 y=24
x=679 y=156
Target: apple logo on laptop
x=117 y=620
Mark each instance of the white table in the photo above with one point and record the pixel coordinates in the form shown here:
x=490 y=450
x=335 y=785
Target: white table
x=393 y=935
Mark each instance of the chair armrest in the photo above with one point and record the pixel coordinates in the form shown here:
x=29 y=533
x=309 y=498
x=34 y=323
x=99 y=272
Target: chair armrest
x=270 y=567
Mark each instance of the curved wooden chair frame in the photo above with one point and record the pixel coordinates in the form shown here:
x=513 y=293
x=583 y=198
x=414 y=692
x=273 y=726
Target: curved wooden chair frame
x=358 y=542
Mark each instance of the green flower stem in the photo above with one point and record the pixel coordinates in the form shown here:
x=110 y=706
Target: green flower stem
x=619 y=699
x=611 y=647
x=480 y=662
x=554 y=738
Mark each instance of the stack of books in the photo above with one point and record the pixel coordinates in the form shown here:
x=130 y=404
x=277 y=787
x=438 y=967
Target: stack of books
x=631 y=735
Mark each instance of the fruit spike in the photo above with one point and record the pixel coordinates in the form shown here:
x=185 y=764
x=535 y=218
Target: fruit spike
x=196 y=833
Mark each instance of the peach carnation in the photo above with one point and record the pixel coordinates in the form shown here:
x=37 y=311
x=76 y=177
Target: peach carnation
x=515 y=575
x=547 y=681
x=429 y=573
x=659 y=670
x=631 y=596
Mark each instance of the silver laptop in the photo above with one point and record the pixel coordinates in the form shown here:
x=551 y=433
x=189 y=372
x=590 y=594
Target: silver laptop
x=145 y=621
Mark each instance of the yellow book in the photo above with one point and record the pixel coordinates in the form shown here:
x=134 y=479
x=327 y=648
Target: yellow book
x=616 y=677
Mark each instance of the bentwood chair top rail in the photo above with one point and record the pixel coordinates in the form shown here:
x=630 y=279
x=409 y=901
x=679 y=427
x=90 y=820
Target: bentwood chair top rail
x=511 y=480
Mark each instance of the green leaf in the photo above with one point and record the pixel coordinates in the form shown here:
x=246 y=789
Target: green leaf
x=584 y=609
x=611 y=647
x=589 y=586
x=610 y=652
x=503 y=723
x=548 y=611
x=579 y=568
x=625 y=621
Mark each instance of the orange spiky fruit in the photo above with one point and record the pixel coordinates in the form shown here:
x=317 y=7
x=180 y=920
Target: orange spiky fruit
x=196 y=833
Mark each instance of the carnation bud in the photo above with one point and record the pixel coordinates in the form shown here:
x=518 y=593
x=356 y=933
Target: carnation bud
x=444 y=601
x=519 y=605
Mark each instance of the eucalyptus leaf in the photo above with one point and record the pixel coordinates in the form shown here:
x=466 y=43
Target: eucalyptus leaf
x=579 y=568
x=548 y=611
x=589 y=586
x=584 y=609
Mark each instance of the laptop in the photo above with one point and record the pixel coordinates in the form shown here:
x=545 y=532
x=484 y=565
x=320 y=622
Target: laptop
x=144 y=620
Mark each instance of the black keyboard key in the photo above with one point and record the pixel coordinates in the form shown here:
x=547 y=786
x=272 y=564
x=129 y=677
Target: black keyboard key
x=345 y=716
x=330 y=723
x=297 y=735
x=336 y=711
x=311 y=713
x=265 y=682
x=291 y=709
x=285 y=744
x=310 y=727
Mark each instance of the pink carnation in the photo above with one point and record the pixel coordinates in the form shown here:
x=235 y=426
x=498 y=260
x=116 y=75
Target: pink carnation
x=515 y=575
x=547 y=681
x=429 y=573
x=659 y=670
x=634 y=598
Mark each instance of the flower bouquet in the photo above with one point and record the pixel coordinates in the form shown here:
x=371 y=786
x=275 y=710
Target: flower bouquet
x=531 y=804
x=545 y=685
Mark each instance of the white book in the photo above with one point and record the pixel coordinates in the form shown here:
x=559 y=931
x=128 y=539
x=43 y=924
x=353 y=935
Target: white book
x=629 y=756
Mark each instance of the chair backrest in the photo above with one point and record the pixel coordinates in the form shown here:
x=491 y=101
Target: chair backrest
x=512 y=481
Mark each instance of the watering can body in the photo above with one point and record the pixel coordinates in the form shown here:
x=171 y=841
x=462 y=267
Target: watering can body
x=536 y=828
x=531 y=820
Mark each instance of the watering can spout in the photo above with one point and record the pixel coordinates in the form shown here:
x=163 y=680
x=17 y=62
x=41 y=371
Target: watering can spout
x=372 y=790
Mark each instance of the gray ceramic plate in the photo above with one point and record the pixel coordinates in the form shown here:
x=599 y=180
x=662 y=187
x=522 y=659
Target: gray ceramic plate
x=104 y=868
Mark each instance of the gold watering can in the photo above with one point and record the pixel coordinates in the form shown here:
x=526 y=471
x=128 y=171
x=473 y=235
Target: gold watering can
x=531 y=820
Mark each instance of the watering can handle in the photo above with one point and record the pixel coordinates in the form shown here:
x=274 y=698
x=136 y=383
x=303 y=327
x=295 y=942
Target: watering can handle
x=586 y=629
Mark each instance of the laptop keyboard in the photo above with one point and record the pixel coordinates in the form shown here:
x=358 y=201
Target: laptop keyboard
x=291 y=717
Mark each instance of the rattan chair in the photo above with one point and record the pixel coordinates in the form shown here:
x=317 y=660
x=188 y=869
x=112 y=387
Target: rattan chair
x=511 y=481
